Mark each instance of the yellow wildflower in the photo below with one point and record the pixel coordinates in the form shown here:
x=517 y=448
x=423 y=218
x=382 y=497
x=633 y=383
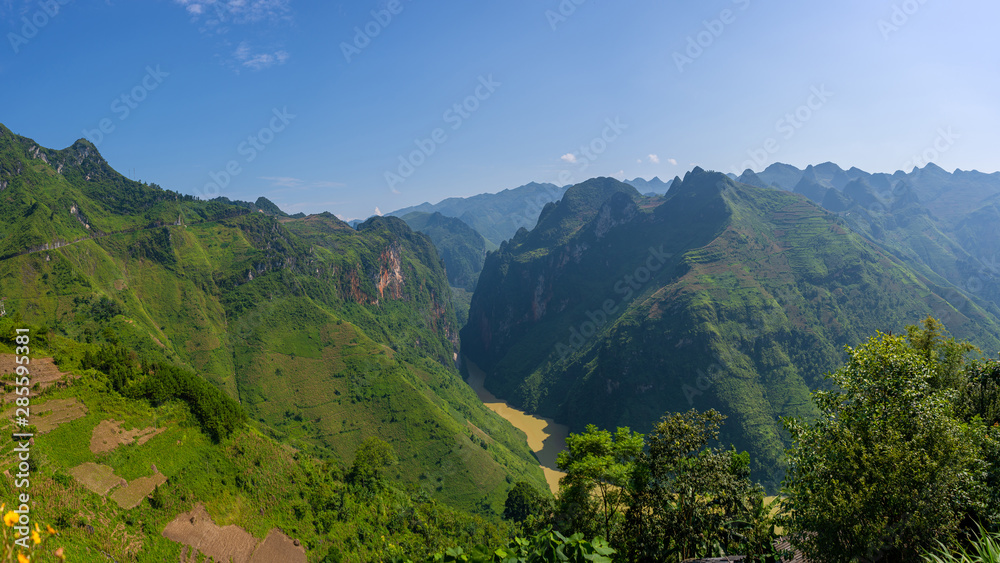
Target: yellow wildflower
x=36 y=538
x=51 y=530
x=21 y=558
x=11 y=518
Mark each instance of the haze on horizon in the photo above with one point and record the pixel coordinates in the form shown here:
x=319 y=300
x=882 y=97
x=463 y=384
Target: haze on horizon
x=349 y=107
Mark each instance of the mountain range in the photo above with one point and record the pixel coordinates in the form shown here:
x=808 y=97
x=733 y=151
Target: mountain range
x=605 y=302
x=618 y=307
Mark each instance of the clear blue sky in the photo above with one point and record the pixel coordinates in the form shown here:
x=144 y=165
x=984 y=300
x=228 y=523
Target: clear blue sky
x=548 y=84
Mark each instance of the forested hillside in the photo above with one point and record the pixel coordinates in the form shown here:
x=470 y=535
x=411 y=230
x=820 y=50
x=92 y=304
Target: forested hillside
x=326 y=335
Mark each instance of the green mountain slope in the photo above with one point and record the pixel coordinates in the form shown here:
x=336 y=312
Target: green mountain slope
x=326 y=334
x=616 y=308
x=460 y=246
x=893 y=216
x=94 y=449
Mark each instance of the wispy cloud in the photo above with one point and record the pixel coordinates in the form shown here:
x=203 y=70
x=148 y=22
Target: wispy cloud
x=569 y=157
x=229 y=18
x=672 y=161
x=247 y=58
x=654 y=159
x=287 y=183
x=215 y=13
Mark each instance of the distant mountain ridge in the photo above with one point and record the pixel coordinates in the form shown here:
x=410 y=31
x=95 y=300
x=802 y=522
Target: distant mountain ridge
x=947 y=195
x=495 y=216
x=654 y=186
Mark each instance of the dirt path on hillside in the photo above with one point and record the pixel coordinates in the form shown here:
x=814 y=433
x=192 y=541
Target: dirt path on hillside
x=546 y=437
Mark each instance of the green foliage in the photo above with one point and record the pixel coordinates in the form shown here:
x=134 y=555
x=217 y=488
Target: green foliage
x=985 y=548
x=370 y=461
x=667 y=497
x=545 y=547
x=598 y=465
x=159 y=383
x=462 y=249
x=689 y=500
x=105 y=309
x=156 y=499
x=525 y=502
x=888 y=469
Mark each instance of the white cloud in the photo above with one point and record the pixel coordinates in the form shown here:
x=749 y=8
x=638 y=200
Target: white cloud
x=245 y=57
x=654 y=159
x=283 y=182
x=569 y=157
x=672 y=161
x=223 y=18
x=218 y=12
x=288 y=184
x=378 y=211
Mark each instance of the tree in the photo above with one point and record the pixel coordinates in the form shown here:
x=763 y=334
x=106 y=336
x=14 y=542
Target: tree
x=156 y=499
x=598 y=466
x=523 y=502
x=887 y=469
x=690 y=500
x=370 y=461
x=945 y=356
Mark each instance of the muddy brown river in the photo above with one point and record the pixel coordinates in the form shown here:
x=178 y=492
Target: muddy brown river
x=545 y=436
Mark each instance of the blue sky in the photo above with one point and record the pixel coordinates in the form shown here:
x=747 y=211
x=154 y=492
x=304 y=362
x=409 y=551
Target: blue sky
x=286 y=99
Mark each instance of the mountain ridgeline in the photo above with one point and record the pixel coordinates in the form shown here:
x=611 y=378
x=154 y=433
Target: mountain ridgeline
x=617 y=307
x=326 y=334
x=462 y=248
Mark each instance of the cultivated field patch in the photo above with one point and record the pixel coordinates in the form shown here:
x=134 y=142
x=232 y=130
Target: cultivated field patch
x=96 y=477
x=132 y=494
x=49 y=415
x=279 y=547
x=196 y=529
x=44 y=373
x=109 y=434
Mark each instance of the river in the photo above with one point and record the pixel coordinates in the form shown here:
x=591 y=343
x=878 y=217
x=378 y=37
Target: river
x=546 y=437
